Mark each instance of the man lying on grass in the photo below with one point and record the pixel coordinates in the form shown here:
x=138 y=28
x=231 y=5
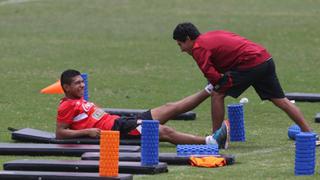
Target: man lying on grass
x=79 y=118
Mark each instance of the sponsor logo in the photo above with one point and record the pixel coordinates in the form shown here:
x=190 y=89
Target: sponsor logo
x=98 y=114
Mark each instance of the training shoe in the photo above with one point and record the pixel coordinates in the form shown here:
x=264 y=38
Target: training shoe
x=222 y=135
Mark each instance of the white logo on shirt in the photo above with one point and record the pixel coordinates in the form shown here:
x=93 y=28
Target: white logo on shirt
x=86 y=106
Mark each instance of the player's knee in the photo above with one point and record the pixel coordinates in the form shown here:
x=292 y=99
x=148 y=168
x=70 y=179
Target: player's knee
x=173 y=106
x=166 y=132
x=282 y=103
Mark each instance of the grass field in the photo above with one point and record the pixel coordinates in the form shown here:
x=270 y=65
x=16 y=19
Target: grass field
x=126 y=47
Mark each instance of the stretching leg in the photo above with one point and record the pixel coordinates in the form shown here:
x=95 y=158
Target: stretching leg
x=173 y=109
x=168 y=134
x=293 y=112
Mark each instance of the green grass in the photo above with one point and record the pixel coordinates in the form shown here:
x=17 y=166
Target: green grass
x=126 y=47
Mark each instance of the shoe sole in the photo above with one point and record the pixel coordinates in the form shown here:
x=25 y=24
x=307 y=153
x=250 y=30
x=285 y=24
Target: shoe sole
x=227 y=123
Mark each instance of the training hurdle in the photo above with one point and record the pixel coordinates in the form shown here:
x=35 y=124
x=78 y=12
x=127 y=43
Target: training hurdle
x=40 y=175
x=55 y=149
x=40 y=136
x=190 y=115
x=169 y=158
x=108 y=164
x=317 y=118
x=303 y=97
x=81 y=166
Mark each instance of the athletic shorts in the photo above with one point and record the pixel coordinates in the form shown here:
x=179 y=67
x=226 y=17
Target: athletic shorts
x=262 y=78
x=129 y=127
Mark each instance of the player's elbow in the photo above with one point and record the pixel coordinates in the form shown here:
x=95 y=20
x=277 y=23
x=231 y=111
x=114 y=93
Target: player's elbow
x=59 y=134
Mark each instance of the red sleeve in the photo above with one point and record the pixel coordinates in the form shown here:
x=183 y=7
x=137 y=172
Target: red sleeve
x=221 y=82
x=202 y=57
x=66 y=113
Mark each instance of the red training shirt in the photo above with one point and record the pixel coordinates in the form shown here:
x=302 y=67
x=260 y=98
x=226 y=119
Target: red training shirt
x=217 y=52
x=80 y=114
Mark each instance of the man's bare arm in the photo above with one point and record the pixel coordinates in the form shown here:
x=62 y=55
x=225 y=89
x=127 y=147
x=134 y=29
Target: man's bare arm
x=63 y=131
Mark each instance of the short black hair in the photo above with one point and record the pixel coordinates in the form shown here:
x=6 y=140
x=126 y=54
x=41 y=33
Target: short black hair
x=184 y=30
x=67 y=75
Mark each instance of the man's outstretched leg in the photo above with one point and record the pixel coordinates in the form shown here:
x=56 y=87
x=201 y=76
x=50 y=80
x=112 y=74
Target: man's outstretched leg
x=170 y=135
x=171 y=110
x=293 y=112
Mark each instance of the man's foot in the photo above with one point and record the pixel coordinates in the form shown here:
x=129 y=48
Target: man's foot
x=222 y=135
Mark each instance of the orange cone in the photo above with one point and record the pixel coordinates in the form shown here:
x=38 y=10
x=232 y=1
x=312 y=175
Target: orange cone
x=53 y=89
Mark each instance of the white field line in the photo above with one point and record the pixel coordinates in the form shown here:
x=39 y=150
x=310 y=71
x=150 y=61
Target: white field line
x=14 y=2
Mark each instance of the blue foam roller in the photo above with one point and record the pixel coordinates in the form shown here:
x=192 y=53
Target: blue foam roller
x=184 y=150
x=305 y=173
x=293 y=130
x=150 y=142
x=305 y=153
x=86 y=89
x=236 y=119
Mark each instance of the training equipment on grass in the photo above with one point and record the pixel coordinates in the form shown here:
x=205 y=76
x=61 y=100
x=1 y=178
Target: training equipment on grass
x=305 y=158
x=317 y=118
x=39 y=175
x=169 y=158
x=236 y=119
x=293 y=130
x=192 y=149
x=109 y=153
x=134 y=112
x=86 y=89
x=55 y=149
x=81 y=166
x=304 y=97
x=150 y=142
x=39 y=136
x=54 y=88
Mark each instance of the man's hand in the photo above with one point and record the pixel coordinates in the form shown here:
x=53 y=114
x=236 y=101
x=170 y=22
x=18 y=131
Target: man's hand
x=93 y=132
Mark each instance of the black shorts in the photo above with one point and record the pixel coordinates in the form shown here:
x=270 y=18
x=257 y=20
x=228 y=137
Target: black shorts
x=127 y=125
x=262 y=77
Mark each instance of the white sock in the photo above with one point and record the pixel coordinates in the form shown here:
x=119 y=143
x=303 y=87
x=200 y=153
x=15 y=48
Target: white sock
x=210 y=140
